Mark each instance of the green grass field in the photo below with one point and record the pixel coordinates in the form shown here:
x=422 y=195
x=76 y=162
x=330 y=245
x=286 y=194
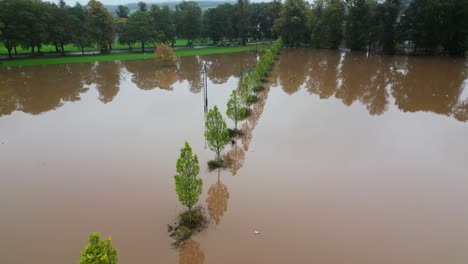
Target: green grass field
x=70 y=47
x=114 y=57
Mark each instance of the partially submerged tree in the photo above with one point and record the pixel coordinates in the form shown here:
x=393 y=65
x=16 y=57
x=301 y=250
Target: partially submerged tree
x=188 y=185
x=216 y=132
x=99 y=252
x=235 y=109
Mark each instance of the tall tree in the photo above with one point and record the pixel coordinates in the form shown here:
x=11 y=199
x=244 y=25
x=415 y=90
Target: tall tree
x=14 y=30
x=122 y=11
x=188 y=185
x=100 y=25
x=327 y=23
x=242 y=16
x=163 y=23
x=59 y=26
x=142 y=6
x=139 y=27
x=98 y=251
x=216 y=132
x=235 y=109
x=431 y=24
x=293 y=22
x=357 y=25
x=81 y=37
x=188 y=20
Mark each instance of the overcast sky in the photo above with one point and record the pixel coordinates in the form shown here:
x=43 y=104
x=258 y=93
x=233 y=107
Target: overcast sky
x=121 y=2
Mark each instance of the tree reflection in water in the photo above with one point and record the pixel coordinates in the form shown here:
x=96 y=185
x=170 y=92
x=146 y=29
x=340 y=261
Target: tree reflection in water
x=35 y=90
x=218 y=197
x=150 y=74
x=191 y=253
x=107 y=80
x=236 y=157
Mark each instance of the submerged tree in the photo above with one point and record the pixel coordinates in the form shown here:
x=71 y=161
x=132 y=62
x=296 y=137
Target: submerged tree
x=235 y=111
x=98 y=251
x=188 y=186
x=216 y=132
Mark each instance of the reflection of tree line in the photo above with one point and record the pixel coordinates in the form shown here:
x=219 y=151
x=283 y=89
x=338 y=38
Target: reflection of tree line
x=37 y=90
x=416 y=84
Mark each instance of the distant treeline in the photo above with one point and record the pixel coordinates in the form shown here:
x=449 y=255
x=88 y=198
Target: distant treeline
x=387 y=26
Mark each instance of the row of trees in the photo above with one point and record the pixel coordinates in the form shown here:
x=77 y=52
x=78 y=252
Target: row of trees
x=32 y=24
x=188 y=186
x=429 y=26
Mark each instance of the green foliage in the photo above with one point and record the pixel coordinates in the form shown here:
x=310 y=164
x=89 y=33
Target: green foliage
x=118 y=56
x=189 y=223
x=327 y=23
x=99 y=252
x=100 y=25
x=241 y=18
x=164 y=25
x=235 y=111
x=254 y=79
x=252 y=99
x=139 y=27
x=293 y=22
x=216 y=164
x=436 y=26
x=188 y=186
x=357 y=25
x=122 y=11
x=216 y=132
x=188 y=18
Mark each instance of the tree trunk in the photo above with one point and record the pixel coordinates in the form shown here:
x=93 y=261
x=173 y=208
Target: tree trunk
x=82 y=50
x=16 y=52
x=56 y=47
x=32 y=48
x=63 y=48
x=129 y=47
x=190 y=214
x=9 y=53
x=38 y=47
x=142 y=47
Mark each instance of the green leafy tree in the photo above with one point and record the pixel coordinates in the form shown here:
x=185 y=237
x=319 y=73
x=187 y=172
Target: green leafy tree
x=163 y=19
x=292 y=22
x=432 y=25
x=99 y=252
x=142 y=6
x=81 y=37
x=188 y=185
x=327 y=23
x=357 y=25
x=242 y=17
x=122 y=11
x=235 y=109
x=216 y=132
x=100 y=25
x=188 y=20
x=139 y=27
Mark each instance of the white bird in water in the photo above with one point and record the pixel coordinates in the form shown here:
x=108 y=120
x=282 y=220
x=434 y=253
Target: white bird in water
x=256 y=232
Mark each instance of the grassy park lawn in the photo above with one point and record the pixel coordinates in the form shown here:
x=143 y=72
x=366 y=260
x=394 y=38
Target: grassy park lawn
x=113 y=57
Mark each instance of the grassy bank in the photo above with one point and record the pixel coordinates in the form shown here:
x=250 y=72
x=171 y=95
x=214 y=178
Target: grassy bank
x=114 y=57
x=71 y=48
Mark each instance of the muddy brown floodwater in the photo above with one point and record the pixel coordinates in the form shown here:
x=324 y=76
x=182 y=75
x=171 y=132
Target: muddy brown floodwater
x=346 y=159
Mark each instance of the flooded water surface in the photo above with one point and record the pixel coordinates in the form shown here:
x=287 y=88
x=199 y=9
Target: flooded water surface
x=345 y=159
